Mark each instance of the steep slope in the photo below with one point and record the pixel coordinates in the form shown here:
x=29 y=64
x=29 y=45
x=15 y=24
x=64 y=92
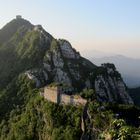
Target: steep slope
x=22 y=50
x=62 y=64
x=110 y=87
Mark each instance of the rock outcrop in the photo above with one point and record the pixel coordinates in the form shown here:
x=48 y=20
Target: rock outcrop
x=110 y=87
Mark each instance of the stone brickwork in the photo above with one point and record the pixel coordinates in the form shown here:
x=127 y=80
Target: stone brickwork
x=51 y=94
x=54 y=94
x=72 y=100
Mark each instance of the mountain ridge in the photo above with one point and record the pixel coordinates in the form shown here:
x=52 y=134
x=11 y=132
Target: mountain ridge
x=49 y=60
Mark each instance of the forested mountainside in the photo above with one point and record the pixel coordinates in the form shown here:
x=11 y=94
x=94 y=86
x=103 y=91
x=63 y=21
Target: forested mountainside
x=135 y=94
x=31 y=58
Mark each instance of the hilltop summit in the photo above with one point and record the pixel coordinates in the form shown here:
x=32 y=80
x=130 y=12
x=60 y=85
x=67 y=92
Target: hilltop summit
x=18 y=17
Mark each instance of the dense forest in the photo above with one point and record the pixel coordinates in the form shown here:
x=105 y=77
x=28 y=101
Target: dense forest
x=26 y=115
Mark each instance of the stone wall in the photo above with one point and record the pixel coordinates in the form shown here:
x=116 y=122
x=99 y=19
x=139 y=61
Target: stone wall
x=53 y=94
x=72 y=100
x=79 y=101
x=18 y=17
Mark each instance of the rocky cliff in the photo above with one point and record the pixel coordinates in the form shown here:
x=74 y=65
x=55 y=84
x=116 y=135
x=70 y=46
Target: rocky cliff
x=110 y=87
x=61 y=63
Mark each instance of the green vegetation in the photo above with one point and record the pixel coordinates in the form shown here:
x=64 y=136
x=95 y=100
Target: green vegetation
x=11 y=28
x=103 y=70
x=88 y=94
x=135 y=95
x=112 y=122
x=25 y=115
x=20 y=53
x=42 y=120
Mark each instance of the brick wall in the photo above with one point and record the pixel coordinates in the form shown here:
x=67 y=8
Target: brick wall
x=50 y=94
x=72 y=100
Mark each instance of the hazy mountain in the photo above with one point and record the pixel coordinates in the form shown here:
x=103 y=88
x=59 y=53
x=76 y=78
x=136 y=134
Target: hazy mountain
x=95 y=54
x=135 y=94
x=128 y=67
x=30 y=59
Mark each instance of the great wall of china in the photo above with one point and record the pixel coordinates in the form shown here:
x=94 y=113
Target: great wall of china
x=56 y=95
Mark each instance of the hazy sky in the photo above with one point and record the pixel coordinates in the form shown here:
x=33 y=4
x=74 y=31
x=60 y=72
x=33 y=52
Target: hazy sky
x=106 y=25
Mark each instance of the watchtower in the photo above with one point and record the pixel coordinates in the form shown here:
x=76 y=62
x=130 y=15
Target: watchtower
x=18 y=17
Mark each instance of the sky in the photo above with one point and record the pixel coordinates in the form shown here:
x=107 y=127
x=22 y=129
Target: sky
x=111 y=26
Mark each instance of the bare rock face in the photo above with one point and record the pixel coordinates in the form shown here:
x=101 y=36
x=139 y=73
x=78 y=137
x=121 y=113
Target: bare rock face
x=110 y=87
x=38 y=76
x=62 y=76
x=67 y=50
x=61 y=64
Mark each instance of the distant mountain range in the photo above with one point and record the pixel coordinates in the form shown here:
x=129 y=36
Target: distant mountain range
x=128 y=67
x=95 y=54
